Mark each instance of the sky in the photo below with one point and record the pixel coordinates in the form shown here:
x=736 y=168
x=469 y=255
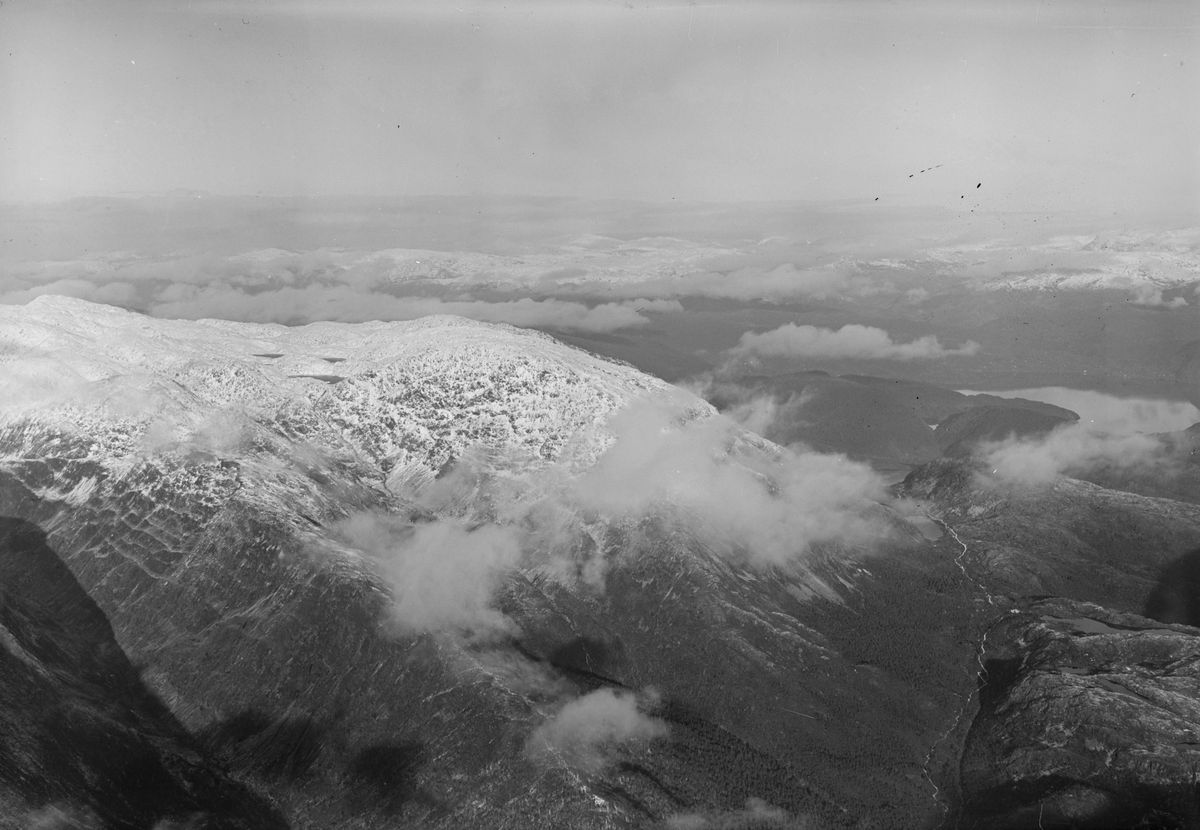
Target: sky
x=1045 y=106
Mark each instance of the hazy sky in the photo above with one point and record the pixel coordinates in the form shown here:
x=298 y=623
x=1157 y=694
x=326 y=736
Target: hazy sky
x=1051 y=106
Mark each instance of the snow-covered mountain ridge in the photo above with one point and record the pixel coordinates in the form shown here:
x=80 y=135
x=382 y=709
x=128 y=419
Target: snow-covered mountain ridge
x=394 y=394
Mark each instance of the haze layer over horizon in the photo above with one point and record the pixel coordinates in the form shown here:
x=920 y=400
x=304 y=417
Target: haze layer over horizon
x=1031 y=106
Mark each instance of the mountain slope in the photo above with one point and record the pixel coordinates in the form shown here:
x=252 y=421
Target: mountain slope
x=1069 y=538
x=1064 y=569
x=445 y=574
x=268 y=546
x=81 y=736
x=961 y=432
x=887 y=421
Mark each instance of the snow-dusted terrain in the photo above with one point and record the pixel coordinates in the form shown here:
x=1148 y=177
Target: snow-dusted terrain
x=393 y=394
x=273 y=520
x=1141 y=263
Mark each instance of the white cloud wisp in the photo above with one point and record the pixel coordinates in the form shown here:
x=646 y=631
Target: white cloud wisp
x=850 y=341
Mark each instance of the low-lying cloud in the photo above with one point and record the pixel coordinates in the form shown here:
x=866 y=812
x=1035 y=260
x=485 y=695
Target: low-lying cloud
x=756 y=814
x=1114 y=434
x=443 y=574
x=850 y=341
x=769 y=281
x=35 y=382
x=1112 y=413
x=1151 y=296
x=64 y=817
x=760 y=413
x=772 y=415
x=297 y=288
x=754 y=502
x=1073 y=449
x=770 y=504
x=345 y=304
x=586 y=734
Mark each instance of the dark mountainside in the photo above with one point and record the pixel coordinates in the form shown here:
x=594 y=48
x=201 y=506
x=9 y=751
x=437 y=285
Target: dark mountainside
x=1070 y=538
x=1084 y=708
x=280 y=664
x=81 y=738
x=1174 y=475
x=889 y=422
x=958 y=434
x=284 y=667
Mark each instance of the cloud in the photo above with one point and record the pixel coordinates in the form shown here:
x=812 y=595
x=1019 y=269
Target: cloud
x=756 y=814
x=67 y=817
x=443 y=574
x=36 y=382
x=651 y=274
x=771 y=415
x=1111 y=413
x=757 y=413
x=585 y=734
x=654 y=306
x=670 y=459
x=110 y=293
x=767 y=281
x=1151 y=296
x=347 y=304
x=218 y=433
x=1072 y=448
x=764 y=502
x=850 y=341
x=277 y=286
x=1112 y=433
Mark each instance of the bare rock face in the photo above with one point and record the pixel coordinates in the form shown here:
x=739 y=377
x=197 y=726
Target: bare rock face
x=1089 y=718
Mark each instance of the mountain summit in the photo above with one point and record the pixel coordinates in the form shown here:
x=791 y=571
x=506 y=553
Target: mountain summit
x=387 y=391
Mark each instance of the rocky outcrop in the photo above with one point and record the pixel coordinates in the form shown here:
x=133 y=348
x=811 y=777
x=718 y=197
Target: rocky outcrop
x=1089 y=718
